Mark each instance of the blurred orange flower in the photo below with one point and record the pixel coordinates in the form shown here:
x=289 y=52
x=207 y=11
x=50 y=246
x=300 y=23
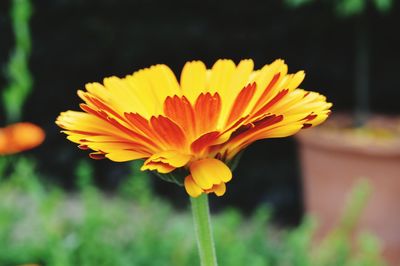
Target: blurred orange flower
x=20 y=137
x=199 y=124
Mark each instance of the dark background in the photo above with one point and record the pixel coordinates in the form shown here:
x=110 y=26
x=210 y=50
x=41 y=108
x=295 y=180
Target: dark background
x=75 y=42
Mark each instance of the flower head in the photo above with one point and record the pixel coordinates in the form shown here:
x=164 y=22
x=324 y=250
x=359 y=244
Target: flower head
x=199 y=123
x=20 y=137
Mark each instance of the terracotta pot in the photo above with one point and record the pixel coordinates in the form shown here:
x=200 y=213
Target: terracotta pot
x=334 y=159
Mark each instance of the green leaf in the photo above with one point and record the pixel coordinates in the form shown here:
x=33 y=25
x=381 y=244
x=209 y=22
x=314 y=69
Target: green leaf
x=350 y=7
x=297 y=3
x=383 y=5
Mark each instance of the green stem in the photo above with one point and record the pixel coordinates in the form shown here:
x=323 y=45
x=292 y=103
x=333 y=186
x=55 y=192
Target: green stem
x=202 y=225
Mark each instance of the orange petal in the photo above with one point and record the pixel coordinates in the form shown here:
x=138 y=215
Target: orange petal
x=204 y=141
x=140 y=124
x=247 y=130
x=207 y=110
x=208 y=172
x=264 y=109
x=169 y=133
x=84 y=126
x=98 y=103
x=241 y=102
x=249 y=133
x=180 y=110
x=97 y=155
x=268 y=79
x=266 y=93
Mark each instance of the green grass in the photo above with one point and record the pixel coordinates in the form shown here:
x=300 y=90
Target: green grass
x=43 y=224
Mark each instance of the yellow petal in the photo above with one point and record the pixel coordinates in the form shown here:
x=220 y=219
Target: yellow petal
x=124 y=155
x=160 y=167
x=221 y=75
x=97 y=90
x=192 y=188
x=296 y=80
x=208 y=172
x=240 y=78
x=121 y=96
x=268 y=77
x=152 y=85
x=166 y=161
x=220 y=189
x=174 y=158
x=281 y=132
x=193 y=79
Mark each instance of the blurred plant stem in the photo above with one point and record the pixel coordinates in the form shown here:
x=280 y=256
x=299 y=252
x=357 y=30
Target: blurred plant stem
x=3 y=165
x=17 y=71
x=202 y=225
x=338 y=241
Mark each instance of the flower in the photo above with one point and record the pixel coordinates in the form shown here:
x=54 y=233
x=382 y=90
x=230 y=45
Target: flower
x=19 y=137
x=198 y=124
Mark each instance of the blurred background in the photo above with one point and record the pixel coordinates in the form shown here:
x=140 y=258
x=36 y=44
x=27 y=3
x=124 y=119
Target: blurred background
x=348 y=48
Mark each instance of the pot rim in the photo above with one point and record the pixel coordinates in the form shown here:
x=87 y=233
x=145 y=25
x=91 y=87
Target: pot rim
x=345 y=139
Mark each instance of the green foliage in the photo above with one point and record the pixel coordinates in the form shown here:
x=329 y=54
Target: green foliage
x=17 y=71
x=297 y=3
x=42 y=224
x=137 y=186
x=3 y=166
x=336 y=249
x=383 y=5
x=356 y=7
x=84 y=173
x=350 y=7
x=347 y=7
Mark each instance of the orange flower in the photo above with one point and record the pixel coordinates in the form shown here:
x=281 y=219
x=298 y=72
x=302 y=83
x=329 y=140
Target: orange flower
x=20 y=137
x=198 y=124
